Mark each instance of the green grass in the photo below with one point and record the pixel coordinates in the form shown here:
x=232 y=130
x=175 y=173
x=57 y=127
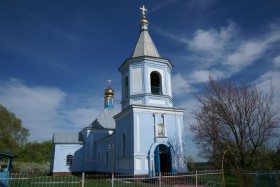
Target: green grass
x=66 y=181
x=231 y=180
x=263 y=181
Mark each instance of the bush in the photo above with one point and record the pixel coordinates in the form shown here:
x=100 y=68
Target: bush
x=19 y=167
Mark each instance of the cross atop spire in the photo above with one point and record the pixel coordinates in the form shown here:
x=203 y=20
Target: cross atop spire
x=144 y=22
x=143 y=10
x=109 y=82
x=145 y=45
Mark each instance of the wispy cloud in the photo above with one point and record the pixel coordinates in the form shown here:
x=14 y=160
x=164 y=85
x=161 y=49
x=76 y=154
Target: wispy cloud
x=222 y=51
x=43 y=110
x=276 y=61
x=201 y=5
x=180 y=86
x=67 y=36
x=35 y=55
x=213 y=42
x=271 y=78
x=37 y=107
x=161 y=5
x=248 y=51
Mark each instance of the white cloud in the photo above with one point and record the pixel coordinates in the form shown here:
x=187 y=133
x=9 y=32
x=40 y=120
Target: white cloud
x=205 y=41
x=245 y=55
x=36 y=106
x=264 y=83
x=223 y=48
x=248 y=51
x=272 y=77
x=199 y=76
x=213 y=41
x=276 y=61
x=225 y=52
x=43 y=110
x=180 y=86
x=81 y=117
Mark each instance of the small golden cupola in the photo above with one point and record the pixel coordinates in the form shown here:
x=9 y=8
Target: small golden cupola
x=109 y=96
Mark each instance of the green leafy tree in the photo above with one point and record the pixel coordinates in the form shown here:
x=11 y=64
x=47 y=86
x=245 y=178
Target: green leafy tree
x=272 y=160
x=190 y=163
x=36 y=152
x=13 y=135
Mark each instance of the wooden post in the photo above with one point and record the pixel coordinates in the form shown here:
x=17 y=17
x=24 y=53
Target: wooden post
x=159 y=179
x=83 y=179
x=196 y=178
x=223 y=172
x=112 y=182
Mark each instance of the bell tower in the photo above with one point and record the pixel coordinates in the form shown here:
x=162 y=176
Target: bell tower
x=148 y=129
x=146 y=77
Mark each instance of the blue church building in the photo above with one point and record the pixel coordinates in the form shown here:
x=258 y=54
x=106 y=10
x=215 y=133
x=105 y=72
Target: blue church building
x=145 y=137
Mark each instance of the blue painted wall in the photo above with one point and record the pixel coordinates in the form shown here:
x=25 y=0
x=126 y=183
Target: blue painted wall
x=60 y=151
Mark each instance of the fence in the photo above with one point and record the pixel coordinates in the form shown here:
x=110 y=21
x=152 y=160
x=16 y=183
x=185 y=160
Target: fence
x=198 y=178
x=261 y=178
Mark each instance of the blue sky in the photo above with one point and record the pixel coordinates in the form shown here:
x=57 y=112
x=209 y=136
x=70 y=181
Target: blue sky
x=56 y=56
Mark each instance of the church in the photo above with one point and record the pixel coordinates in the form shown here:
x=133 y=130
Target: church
x=145 y=137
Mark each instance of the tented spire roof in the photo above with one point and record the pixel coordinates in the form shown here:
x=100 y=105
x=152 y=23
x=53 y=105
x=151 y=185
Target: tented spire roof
x=145 y=45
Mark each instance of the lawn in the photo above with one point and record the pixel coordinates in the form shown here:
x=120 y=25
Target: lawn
x=231 y=180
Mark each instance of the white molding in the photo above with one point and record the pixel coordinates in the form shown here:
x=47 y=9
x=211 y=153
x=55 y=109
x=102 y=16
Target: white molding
x=138 y=133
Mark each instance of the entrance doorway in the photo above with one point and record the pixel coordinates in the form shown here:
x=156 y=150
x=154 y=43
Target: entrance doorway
x=163 y=159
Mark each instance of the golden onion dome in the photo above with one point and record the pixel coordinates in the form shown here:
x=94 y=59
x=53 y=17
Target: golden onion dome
x=109 y=92
x=144 y=21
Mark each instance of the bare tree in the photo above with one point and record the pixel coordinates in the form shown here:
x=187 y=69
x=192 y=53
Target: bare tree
x=237 y=117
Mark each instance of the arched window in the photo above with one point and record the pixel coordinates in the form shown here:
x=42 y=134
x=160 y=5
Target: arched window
x=156 y=83
x=69 y=160
x=106 y=158
x=125 y=87
x=123 y=145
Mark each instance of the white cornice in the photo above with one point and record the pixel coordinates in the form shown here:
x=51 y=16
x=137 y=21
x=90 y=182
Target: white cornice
x=150 y=109
x=142 y=58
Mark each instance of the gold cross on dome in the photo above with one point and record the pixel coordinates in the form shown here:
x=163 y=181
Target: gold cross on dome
x=143 y=10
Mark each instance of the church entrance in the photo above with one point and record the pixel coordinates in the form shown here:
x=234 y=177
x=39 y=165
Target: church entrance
x=163 y=159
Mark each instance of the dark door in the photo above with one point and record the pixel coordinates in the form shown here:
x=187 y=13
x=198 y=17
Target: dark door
x=163 y=159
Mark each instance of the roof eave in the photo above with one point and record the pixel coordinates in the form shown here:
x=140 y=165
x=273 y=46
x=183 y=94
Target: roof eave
x=133 y=59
